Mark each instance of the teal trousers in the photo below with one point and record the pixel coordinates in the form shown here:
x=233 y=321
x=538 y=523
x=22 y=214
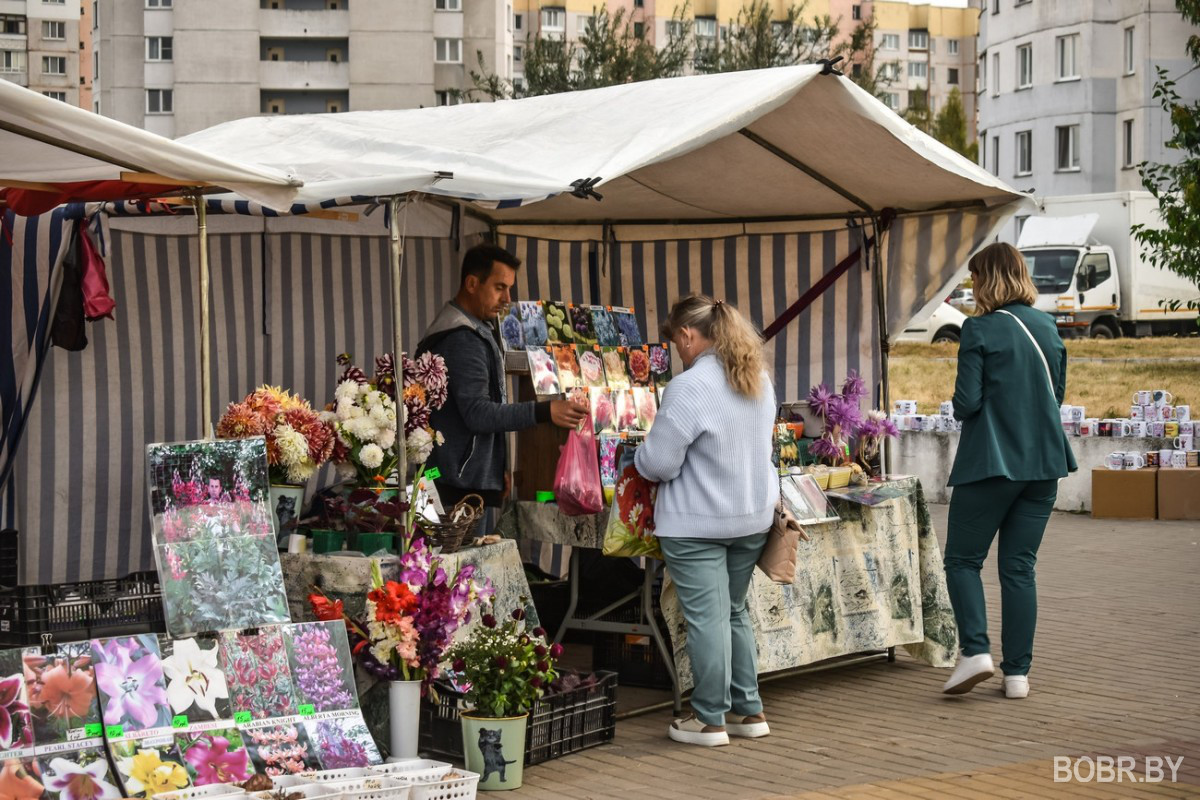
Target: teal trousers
x=1018 y=511
x=711 y=578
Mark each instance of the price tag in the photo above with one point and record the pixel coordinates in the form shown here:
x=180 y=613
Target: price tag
x=545 y=497
x=433 y=473
x=307 y=710
x=93 y=729
x=179 y=721
x=241 y=717
x=114 y=732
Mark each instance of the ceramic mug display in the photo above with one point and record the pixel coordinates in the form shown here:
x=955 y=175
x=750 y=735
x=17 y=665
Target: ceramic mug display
x=1179 y=459
x=1183 y=442
x=1137 y=429
x=1115 y=461
x=1105 y=428
x=1122 y=428
x=946 y=409
x=1152 y=458
x=1170 y=429
x=1137 y=412
x=1193 y=458
x=1156 y=430
x=1164 y=457
x=1134 y=461
x=1187 y=428
x=1089 y=427
x=1183 y=413
x=1143 y=398
x=908 y=408
x=1162 y=397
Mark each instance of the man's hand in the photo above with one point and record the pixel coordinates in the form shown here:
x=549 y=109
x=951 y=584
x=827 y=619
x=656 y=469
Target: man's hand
x=566 y=414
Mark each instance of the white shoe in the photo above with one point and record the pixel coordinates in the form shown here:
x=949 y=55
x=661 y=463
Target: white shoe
x=690 y=730
x=746 y=727
x=970 y=671
x=1016 y=686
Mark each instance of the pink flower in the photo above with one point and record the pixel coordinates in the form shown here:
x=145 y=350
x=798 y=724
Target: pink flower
x=10 y=707
x=215 y=764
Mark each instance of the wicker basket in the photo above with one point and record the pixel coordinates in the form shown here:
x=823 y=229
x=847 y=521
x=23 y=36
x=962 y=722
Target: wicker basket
x=463 y=519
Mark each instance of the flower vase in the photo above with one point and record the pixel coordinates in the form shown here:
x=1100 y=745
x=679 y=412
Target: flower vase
x=404 y=718
x=495 y=748
x=287 y=502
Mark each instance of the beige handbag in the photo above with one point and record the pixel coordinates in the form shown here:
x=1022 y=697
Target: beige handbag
x=778 y=559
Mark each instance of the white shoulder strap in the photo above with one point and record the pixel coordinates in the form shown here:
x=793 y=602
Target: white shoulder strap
x=1036 y=346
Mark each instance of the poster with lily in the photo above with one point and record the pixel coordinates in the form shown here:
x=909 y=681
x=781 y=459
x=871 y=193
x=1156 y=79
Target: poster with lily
x=214 y=539
x=16 y=723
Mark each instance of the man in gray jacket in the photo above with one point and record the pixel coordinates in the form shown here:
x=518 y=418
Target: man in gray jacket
x=477 y=416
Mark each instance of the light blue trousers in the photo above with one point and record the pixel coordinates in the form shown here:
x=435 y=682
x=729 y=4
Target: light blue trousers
x=711 y=578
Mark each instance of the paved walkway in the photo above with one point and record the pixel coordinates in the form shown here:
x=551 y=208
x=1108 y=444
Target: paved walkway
x=1116 y=673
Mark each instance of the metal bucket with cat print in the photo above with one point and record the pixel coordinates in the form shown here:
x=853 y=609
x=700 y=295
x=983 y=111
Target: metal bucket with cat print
x=495 y=748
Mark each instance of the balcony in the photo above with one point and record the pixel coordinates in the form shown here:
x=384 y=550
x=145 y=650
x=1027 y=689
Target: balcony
x=304 y=75
x=289 y=24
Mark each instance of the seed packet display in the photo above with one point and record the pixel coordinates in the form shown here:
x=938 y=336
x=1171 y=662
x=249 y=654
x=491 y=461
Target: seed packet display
x=544 y=371
x=78 y=775
x=604 y=415
x=215 y=755
x=608 y=463
x=281 y=748
x=581 y=323
x=605 y=327
x=533 y=322
x=627 y=418
x=660 y=364
x=21 y=779
x=512 y=330
x=628 y=332
x=558 y=324
x=16 y=722
x=639 y=366
x=567 y=365
x=214 y=535
x=615 y=374
x=591 y=366
x=579 y=396
x=646 y=404
x=342 y=742
x=259 y=676
x=196 y=686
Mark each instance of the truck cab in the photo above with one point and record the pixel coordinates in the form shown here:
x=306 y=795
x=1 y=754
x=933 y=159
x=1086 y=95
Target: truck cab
x=1076 y=278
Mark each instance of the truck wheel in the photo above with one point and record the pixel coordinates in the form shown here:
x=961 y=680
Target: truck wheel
x=947 y=335
x=1101 y=330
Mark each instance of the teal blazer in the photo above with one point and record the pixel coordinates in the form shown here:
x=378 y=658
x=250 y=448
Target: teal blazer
x=1012 y=427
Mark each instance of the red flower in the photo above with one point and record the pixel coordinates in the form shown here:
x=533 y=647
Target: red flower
x=488 y=621
x=518 y=614
x=325 y=609
x=393 y=601
x=556 y=650
x=502 y=662
x=539 y=631
x=540 y=651
x=459 y=665
x=543 y=666
x=536 y=682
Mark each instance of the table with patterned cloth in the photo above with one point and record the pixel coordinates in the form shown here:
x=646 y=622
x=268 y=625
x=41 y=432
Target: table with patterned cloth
x=870 y=581
x=348 y=579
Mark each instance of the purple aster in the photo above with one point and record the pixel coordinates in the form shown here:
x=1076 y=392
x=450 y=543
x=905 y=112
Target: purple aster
x=819 y=399
x=824 y=449
x=844 y=412
x=854 y=387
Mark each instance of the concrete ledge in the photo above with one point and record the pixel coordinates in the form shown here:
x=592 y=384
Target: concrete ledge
x=930 y=456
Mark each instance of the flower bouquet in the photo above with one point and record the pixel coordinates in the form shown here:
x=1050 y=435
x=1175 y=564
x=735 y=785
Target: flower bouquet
x=844 y=423
x=298 y=440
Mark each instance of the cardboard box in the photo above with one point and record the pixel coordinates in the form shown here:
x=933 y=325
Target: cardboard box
x=1179 y=493
x=1125 y=493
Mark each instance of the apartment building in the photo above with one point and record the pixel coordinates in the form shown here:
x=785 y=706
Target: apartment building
x=40 y=46
x=178 y=66
x=1066 y=100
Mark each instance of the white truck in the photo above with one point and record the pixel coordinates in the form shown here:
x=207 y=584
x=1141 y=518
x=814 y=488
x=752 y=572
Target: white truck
x=1091 y=273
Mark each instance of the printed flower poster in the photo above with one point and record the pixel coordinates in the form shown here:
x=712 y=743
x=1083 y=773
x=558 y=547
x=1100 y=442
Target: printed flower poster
x=567 y=364
x=343 y=742
x=533 y=323
x=591 y=367
x=615 y=373
x=196 y=686
x=20 y=779
x=604 y=414
x=581 y=324
x=544 y=371
x=558 y=325
x=133 y=690
x=608 y=463
x=660 y=364
x=215 y=756
x=628 y=332
x=322 y=671
x=605 y=327
x=149 y=767
x=16 y=723
x=639 y=366
x=512 y=332
x=79 y=775
x=257 y=671
x=214 y=536
x=627 y=418
x=282 y=749
x=647 y=407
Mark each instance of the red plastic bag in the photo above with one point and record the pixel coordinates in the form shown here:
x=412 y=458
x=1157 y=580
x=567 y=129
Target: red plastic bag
x=577 y=478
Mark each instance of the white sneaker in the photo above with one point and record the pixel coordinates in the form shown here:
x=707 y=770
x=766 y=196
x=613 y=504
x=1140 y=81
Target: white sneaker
x=746 y=727
x=970 y=671
x=690 y=730
x=1016 y=686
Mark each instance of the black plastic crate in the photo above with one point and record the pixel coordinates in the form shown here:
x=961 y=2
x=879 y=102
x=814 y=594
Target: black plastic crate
x=558 y=724
x=634 y=657
x=84 y=610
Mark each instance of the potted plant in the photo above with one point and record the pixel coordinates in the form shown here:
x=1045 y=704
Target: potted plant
x=504 y=669
x=850 y=439
x=373 y=517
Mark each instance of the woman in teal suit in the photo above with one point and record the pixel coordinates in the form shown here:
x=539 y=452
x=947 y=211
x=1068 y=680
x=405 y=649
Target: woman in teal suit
x=1012 y=374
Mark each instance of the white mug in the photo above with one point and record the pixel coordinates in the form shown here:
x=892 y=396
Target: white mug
x=1164 y=458
x=1143 y=398
x=907 y=407
x=929 y=423
x=1183 y=442
x=946 y=409
x=1179 y=459
x=1151 y=413
x=1071 y=428
x=1115 y=461
x=945 y=424
x=1168 y=413
x=1089 y=427
x=1187 y=428
x=1183 y=413
x=1162 y=397
x=1137 y=429
x=1156 y=430
x=1134 y=461
x=1137 y=412
x=1122 y=428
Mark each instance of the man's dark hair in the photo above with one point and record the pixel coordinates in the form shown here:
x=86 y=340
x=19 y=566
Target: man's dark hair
x=479 y=259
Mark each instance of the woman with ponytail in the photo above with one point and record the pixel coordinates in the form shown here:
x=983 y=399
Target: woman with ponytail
x=710 y=451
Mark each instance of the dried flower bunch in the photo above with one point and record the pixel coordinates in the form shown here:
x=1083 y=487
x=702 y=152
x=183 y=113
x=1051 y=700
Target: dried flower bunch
x=298 y=440
x=846 y=422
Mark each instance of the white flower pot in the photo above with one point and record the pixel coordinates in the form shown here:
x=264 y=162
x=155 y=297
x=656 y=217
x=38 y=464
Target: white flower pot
x=404 y=710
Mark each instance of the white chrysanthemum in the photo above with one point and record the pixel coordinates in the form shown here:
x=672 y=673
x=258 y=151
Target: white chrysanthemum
x=386 y=438
x=344 y=408
x=379 y=415
x=346 y=390
x=345 y=471
x=419 y=446
x=371 y=456
x=364 y=389
x=441 y=440
x=301 y=472
x=329 y=417
x=372 y=399
x=293 y=447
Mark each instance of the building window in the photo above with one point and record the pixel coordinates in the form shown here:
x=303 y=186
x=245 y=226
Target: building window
x=639 y=30
x=333 y=106
x=13 y=25
x=96 y=106
x=1066 y=48
x=1067 y=147
x=856 y=70
x=518 y=53
x=952 y=76
x=952 y=47
x=856 y=11
x=56 y=96
x=1025 y=66
x=706 y=28
x=508 y=15
x=639 y=3
x=981 y=75
x=918 y=40
x=1024 y=153
x=553 y=19
x=275 y=106
x=54 y=2
x=892 y=100
x=95 y=14
x=518 y=21
x=1129 y=68
x=334 y=56
x=891 y=41
x=995 y=7
x=12 y=60
x=160 y=101
x=448 y=98
x=95 y=65
x=158 y=3
x=1020 y=218
x=447 y=5
x=1127 y=143
x=995 y=155
x=995 y=74
x=918 y=69
x=54 y=30
x=448 y=51
x=159 y=48
x=983 y=139
x=54 y=65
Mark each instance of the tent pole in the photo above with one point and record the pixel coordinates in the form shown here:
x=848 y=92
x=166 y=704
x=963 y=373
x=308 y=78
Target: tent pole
x=397 y=253
x=205 y=321
x=881 y=311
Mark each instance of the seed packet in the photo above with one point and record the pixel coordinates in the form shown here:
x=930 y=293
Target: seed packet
x=319 y=656
x=604 y=417
x=581 y=323
x=627 y=418
x=567 y=364
x=543 y=370
x=281 y=749
x=65 y=773
x=196 y=687
x=660 y=364
x=342 y=742
x=647 y=407
x=512 y=331
x=615 y=374
x=591 y=366
x=627 y=327
x=217 y=755
x=605 y=327
x=608 y=458
x=579 y=395
x=133 y=687
x=148 y=767
x=60 y=685
x=558 y=324
x=639 y=366
x=533 y=322
x=257 y=671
